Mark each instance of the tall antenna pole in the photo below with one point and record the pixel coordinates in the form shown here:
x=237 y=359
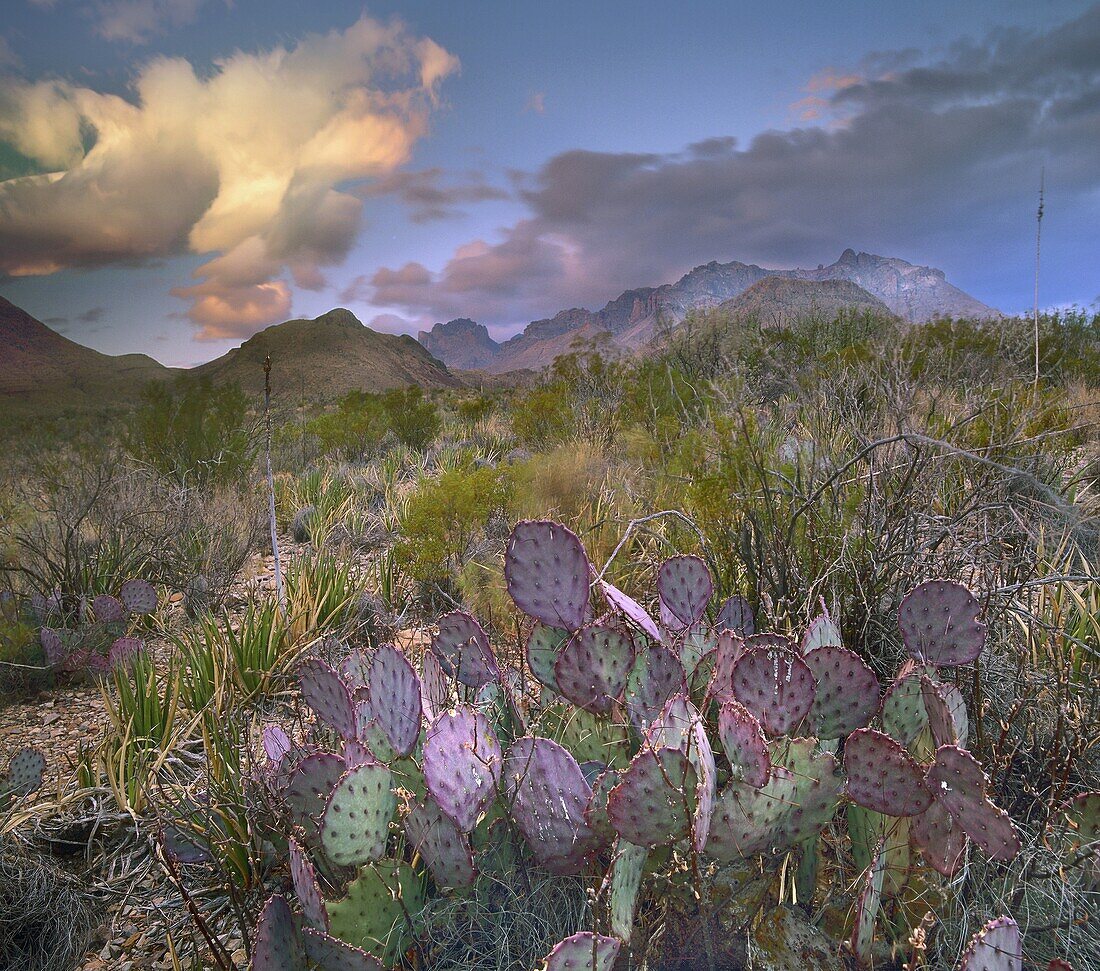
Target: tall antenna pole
x=1038 y=238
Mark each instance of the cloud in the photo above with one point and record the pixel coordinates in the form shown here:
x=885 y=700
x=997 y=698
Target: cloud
x=936 y=158
x=248 y=163
x=138 y=21
x=536 y=103
x=428 y=198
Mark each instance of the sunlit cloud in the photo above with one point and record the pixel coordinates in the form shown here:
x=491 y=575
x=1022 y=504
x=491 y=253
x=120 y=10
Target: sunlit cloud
x=249 y=163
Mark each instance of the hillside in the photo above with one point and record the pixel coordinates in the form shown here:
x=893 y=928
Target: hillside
x=42 y=372
x=637 y=317
x=325 y=358
x=778 y=301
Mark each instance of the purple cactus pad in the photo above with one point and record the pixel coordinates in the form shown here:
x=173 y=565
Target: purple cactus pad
x=776 y=685
x=939 y=623
x=462 y=765
x=882 y=776
x=548 y=573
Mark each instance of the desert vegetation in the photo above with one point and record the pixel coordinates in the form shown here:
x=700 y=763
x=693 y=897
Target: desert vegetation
x=779 y=647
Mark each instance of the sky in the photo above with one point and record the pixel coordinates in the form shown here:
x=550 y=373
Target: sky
x=176 y=175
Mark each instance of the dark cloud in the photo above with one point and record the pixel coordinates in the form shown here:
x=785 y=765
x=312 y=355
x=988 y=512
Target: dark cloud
x=935 y=160
x=428 y=198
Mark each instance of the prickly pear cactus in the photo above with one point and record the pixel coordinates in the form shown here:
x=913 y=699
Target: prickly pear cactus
x=959 y=783
x=882 y=776
x=138 y=597
x=939 y=624
x=629 y=608
x=548 y=573
x=277 y=946
x=23 y=777
x=736 y=615
x=445 y=849
x=544 y=645
x=846 y=691
x=684 y=587
x=306 y=887
x=356 y=821
x=776 y=685
x=463 y=650
x=583 y=952
x=654 y=803
x=548 y=795
x=744 y=744
x=593 y=667
x=394 y=692
x=462 y=765
x=325 y=692
x=996 y=947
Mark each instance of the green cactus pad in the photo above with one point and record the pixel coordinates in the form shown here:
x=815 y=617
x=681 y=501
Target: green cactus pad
x=996 y=947
x=822 y=632
x=543 y=647
x=655 y=800
x=903 y=715
x=370 y=733
x=593 y=667
x=548 y=573
x=444 y=849
x=958 y=782
x=371 y=916
x=818 y=784
x=24 y=775
x=656 y=676
x=747 y=820
x=627 y=869
x=882 y=776
x=277 y=945
x=586 y=736
x=846 y=693
x=356 y=820
x=939 y=623
x=583 y=952
x=681 y=726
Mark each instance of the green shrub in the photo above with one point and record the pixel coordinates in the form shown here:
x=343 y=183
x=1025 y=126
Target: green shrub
x=444 y=517
x=412 y=418
x=194 y=433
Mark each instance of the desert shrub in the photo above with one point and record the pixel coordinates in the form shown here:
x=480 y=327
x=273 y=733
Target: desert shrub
x=413 y=418
x=542 y=417
x=194 y=432
x=355 y=430
x=474 y=409
x=445 y=517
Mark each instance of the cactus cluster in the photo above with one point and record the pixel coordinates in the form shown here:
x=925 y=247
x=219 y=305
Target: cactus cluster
x=98 y=638
x=643 y=739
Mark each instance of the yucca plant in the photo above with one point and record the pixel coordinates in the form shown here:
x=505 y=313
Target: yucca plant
x=321 y=591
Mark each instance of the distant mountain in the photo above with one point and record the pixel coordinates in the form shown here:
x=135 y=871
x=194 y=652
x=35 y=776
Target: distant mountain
x=325 y=358
x=777 y=301
x=637 y=317
x=42 y=372
x=461 y=343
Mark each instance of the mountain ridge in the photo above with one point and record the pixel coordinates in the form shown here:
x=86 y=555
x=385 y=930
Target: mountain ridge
x=638 y=316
